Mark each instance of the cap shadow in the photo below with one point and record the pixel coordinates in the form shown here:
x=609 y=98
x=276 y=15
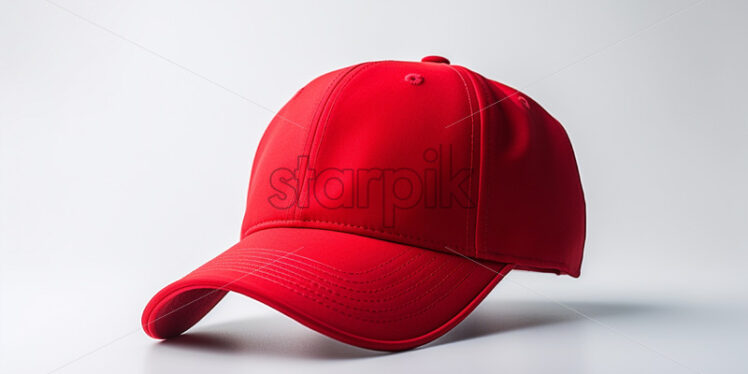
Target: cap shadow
x=272 y=335
x=276 y=335
x=498 y=316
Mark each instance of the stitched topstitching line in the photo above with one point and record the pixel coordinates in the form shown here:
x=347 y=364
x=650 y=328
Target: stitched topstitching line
x=479 y=86
x=268 y=223
x=339 y=88
x=286 y=274
x=325 y=298
x=306 y=141
x=315 y=266
x=364 y=291
x=337 y=277
x=485 y=222
x=472 y=135
x=319 y=110
x=290 y=255
x=360 y=227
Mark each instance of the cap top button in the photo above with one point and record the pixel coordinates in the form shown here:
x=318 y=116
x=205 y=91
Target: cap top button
x=435 y=59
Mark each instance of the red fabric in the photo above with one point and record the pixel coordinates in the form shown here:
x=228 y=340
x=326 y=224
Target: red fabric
x=529 y=204
x=359 y=290
x=362 y=158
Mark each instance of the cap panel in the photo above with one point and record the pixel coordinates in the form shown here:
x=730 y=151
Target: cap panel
x=387 y=163
x=281 y=149
x=531 y=211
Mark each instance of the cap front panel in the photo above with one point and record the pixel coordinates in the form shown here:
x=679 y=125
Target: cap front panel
x=271 y=198
x=393 y=157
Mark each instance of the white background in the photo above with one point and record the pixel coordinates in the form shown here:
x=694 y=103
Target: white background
x=128 y=130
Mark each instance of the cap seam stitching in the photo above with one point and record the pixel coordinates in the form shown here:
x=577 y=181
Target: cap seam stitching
x=367 y=228
x=244 y=259
x=317 y=107
x=334 y=95
x=481 y=91
x=310 y=294
x=556 y=265
x=309 y=141
x=333 y=268
x=321 y=282
x=472 y=145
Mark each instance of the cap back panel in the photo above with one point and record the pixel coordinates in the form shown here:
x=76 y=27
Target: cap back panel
x=532 y=207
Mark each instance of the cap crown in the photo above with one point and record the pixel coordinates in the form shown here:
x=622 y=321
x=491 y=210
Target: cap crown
x=426 y=154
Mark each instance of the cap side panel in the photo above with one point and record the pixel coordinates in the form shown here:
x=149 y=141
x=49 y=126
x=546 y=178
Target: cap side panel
x=533 y=214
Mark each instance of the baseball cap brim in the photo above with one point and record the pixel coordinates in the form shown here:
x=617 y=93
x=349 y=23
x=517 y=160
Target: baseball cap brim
x=360 y=290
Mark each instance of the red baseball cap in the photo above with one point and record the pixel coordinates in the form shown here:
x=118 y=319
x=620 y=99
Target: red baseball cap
x=386 y=200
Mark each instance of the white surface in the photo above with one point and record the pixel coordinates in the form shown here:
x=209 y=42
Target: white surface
x=121 y=170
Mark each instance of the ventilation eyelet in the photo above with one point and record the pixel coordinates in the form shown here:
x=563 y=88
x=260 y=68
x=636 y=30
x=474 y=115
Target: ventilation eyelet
x=414 y=79
x=523 y=101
